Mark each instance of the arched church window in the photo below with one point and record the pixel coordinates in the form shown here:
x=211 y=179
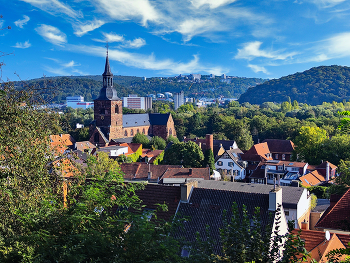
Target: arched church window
x=132 y=132
x=143 y=131
x=170 y=132
x=138 y=131
x=116 y=109
x=126 y=133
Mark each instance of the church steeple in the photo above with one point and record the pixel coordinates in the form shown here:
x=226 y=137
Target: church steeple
x=108 y=92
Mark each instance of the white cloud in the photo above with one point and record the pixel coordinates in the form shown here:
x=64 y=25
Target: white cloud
x=26 y=44
x=258 y=69
x=64 y=68
x=327 y=3
x=192 y=27
x=52 y=34
x=54 y=6
x=111 y=37
x=20 y=23
x=149 y=61
x=252 y=50
x=82 y=29
x=211 y=3
x=127 y=10
x=136 y=43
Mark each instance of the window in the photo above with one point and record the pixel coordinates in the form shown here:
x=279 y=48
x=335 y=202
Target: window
x=280 y=168
x=185 y=252
x=132 y=132
x=170 y=132
x=276 y=156
x=219 y=163
x=230 y=164
x=138 y=131
x=271 y=176
x=126 y=133
x=116 y=109
x=295 y=169
x=286 y=213
x=143 y=131
x=283 y=157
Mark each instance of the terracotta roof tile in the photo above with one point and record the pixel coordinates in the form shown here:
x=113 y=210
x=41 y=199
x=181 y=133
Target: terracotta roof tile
x=259 y=149
x=61 y=142
x=280 y=146
x=139 y=171
x=324 y=165
x=312 y=178
x=318 y=246
x=338 y=217
x=188 y=173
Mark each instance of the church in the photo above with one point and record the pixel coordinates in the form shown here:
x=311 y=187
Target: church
x=110 y=124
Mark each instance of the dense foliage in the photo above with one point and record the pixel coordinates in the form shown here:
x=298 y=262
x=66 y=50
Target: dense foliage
x=58 y=88
x=313 y=86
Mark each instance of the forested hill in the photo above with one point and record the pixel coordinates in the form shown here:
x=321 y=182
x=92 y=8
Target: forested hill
x=313 y=86
x=56 y=89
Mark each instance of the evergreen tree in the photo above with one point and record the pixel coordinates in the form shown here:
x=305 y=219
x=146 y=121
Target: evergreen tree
x=209 y=160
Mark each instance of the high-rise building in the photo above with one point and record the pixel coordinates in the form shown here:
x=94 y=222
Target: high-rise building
x=135 y=102
x=179 y=99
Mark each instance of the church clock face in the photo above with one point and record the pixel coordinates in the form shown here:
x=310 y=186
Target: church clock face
x=102 y=117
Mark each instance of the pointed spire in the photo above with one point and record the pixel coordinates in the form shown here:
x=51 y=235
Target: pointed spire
x=107 y=67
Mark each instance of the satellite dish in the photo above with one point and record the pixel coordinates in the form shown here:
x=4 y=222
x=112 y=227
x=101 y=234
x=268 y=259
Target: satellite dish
x=328 y=235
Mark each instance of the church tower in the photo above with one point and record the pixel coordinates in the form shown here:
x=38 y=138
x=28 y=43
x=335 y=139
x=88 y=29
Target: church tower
x=108 y=111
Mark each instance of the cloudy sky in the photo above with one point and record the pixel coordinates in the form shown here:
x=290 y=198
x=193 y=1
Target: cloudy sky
x=246 y=38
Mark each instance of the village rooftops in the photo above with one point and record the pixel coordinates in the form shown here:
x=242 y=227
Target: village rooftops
x=290 y=195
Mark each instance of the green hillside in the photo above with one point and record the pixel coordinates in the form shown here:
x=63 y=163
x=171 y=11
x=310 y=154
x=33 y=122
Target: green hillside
x=56 y=89
x=313 y=86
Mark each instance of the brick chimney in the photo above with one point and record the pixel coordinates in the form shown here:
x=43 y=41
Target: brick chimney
x=186 y=190
x=209 y=142
x=275 y=198
x=190 y=172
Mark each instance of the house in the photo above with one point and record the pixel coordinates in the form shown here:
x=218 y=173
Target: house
x=84 y=146
x=61 y=143
x=284 y=172
x=207 y=207
x=280 y=149
x=337 y=218
x=177 y=176
x=144 y=171
x=230 y=165
x=217 y=146
x=121 y=149
x=319 y=244
x=320 y=175
x=296 y=201
x=255 y=155
x=149 y=156
x=316 y=213
x=110 y=123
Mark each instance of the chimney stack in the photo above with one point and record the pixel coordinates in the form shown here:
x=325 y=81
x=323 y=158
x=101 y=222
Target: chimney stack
x=190 y=171
x=275 y=198
x=186 y=190
x=149 y=174
x=327 y=171
x=209 y=142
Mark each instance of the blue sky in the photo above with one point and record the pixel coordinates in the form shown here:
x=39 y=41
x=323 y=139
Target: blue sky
x=266 y=38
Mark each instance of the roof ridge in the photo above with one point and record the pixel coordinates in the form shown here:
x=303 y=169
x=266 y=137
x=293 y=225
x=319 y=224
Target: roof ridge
x=333 y=208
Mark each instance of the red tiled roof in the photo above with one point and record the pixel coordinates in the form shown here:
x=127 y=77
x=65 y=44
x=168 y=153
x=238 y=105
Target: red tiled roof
x=338 y=216
x=260 y=149
x=188 y=173
x=280 y=146
x=312 y=178
x=318 y=246
x=286 y=163
x=253 y=157
x=81 y=146
x=139 y=171
x=324 y=165
x=314 y=238
x=61 y=142
x=150 y=153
